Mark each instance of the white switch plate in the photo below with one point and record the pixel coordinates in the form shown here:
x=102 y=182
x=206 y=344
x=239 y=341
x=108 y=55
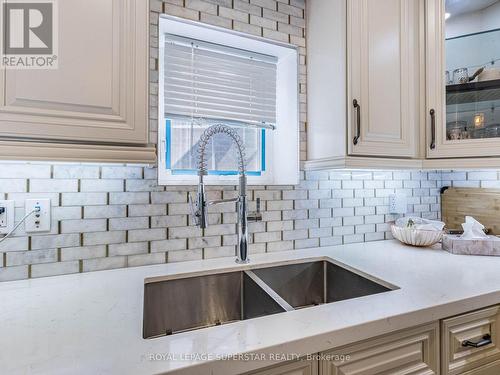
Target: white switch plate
x=7 y=218
x=38 y=221
x=398 y=204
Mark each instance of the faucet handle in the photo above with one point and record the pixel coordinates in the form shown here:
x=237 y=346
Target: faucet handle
x=199 y=207
x=195 y=216
x=256 y=215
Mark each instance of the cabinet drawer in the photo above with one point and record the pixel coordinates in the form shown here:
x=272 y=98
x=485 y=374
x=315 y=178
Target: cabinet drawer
x=414 y=351
x=475 y=328
x=301 y=367
x=492 y=368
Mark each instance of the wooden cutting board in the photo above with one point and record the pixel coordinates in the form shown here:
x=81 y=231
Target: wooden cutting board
x=482 y=204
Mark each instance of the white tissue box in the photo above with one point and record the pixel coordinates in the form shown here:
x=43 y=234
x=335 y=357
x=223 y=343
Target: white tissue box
x=485 y=246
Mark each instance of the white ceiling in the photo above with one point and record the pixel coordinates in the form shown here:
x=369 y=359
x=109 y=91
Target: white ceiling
x=456 y=7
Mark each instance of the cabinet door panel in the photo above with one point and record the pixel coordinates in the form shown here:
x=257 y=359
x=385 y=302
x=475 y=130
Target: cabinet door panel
x=413 y=351
x=301 y=367
x=383 y=76
x=466 y=114
x=99 y=90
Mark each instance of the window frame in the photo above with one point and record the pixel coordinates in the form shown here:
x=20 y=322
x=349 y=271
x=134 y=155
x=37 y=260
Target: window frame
x=282 y=158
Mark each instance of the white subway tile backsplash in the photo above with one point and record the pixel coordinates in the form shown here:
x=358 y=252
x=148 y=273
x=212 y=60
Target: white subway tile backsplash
x=128 y=223
x=66 y=213
x=83 y=225
x=344 y=230
x=83 y=252
x=376 y=236
x=353 y=238
x=25 y=170
x=184 y=255
x=53 y=269
x=76 y=171
x=14 y=273
x=20 y=258
x=103 y=238
x=128 y=248
x=320 y=232
x=307 y=243
x=121 y=218
x=13 y=185
x=84 y=199
x=123 y=172
x=167 y=197
x=168 y=245
x=55 y=241
x=170 y=221
x=101 y=185
x=365 y=228
x=142 y=185
x=330 y=241
x=53 y=185
x=482 y=175
x=101 y=212
x=136 y=235
x=352 y=184
x=129 y=198
x=145 y=259
x=352 y=220
x=100 y=264
x=184 y=232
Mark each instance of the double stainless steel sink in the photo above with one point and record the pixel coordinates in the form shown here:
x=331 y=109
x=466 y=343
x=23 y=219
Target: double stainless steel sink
x=182 y=304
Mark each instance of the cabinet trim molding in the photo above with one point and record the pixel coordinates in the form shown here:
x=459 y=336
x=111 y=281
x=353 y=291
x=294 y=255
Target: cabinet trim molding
x=359 y=162
x=18 y=150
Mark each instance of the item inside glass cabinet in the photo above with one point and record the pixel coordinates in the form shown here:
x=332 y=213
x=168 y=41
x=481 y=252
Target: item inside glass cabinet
x=472 y=49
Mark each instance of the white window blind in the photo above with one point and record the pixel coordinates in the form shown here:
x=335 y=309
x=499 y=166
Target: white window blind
x=205 y=80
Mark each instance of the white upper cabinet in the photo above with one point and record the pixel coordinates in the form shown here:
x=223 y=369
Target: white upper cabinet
x=463 y=78
x=383 y=77
x=99 y=91
x=364 y=83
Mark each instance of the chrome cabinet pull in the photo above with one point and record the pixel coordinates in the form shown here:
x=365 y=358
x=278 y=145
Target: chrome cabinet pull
x=483 y=341
x=433 y=129
x=358 y=121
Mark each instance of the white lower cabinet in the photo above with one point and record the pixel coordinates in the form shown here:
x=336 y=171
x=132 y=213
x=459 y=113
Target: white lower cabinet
x=411 y=352
x=469 y=343
x=414 y=351
x=466 y=344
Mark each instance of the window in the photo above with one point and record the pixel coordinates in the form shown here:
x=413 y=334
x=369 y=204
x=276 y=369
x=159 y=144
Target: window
x=211 y=76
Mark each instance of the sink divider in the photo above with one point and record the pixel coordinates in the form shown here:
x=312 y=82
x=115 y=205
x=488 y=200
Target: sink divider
x=269 y=291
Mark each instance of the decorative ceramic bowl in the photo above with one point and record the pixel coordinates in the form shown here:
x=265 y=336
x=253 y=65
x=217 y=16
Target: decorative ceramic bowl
x=416 y=237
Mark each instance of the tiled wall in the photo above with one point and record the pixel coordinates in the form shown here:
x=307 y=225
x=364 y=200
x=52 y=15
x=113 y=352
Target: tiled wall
x=110 y=216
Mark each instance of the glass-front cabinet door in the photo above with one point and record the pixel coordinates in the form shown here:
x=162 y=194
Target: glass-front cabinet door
x=463 y=78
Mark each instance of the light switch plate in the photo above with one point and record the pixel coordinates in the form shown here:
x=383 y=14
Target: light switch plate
x=38 y=221
x=398 y=204
x=7 y=217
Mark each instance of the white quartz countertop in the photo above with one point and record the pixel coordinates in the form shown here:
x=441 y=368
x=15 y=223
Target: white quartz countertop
x=91 y=323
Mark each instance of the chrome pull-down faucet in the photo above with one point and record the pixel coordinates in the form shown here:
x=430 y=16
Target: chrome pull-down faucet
x=199 y=207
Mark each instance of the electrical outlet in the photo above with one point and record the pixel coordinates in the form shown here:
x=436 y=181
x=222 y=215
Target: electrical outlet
x=6 y=216
x=398 y=204
x=37 y=221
